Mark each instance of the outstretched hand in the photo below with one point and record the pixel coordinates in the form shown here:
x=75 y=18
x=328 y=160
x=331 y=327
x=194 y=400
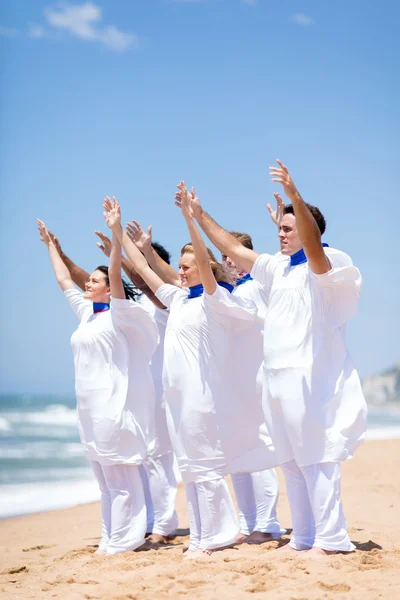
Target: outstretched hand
x=182 y=200
x=112 y=213
x=106 y=245
x=44 y=234
x=195 y=206
x=281 y=175
x=276 y=215
x=138 y=236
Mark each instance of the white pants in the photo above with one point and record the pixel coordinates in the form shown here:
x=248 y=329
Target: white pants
x=123 y=509
x=212 y=516
x=316 y=508
x=257 y=498
x=160 y=485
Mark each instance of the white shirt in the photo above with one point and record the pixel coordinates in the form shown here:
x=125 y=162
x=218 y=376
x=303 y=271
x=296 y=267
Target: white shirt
x=162 y=440
x=113 y=383
x=314 y=406
x=211 y=426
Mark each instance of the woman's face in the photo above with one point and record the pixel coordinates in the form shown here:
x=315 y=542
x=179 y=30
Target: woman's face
x=97 y=289
x=188 y=270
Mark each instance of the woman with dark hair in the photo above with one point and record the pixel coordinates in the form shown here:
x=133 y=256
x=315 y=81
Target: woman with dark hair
x=112 y=347
x=202 y=407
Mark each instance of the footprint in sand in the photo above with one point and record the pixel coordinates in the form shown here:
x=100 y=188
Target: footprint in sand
x=15 y=570
x=37 y=548
x=336 y=587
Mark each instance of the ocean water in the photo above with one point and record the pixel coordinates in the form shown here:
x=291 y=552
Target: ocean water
x=42 y=466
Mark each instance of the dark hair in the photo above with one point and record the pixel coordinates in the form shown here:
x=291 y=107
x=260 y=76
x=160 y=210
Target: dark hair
x=162 y=252
x=243 y=238
x=316 y=213
x=129 y=289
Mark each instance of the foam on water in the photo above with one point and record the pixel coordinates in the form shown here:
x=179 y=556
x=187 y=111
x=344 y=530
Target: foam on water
x=16 y=500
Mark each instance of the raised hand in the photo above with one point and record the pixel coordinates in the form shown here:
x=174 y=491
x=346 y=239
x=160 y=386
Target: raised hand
x=183 y=200
x=138 y=236
x=194 y=203
x=44 y=234
x=106 y=245
x=276 y=215
x=112 y=213
x=281 y=175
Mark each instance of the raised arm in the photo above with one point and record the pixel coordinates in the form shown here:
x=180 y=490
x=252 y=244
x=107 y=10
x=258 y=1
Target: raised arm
x=113 y=215
x=134 y=255
x=143 y=242
x=79 y=276
x=61 y=272
x=129 y=270
x=224 y=241
x=199 y=247
x=307 y=227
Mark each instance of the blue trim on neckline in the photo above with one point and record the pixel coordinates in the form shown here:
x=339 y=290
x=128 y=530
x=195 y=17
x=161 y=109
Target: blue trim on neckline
x=243 y=279
x=300 y=257
x=99 y=307
x=197 y=290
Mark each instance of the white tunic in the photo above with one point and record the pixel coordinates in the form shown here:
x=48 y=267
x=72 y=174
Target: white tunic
x=113 y=382
x=162 y=440
x=212 y=428
x=314 y=406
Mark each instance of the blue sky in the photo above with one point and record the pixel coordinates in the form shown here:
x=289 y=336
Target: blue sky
x=127 y=97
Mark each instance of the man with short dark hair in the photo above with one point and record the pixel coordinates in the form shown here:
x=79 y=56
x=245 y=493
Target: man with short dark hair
x=313 y=402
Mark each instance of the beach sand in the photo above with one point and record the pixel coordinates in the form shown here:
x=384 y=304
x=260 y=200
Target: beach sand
x=50 y=555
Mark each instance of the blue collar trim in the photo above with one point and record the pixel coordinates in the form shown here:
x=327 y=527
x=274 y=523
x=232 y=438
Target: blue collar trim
x=198 y=290
x=99 y=307
x=243 y=279
x=300 y=257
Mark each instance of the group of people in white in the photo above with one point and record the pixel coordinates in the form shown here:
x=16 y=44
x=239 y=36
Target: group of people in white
x=233 y=367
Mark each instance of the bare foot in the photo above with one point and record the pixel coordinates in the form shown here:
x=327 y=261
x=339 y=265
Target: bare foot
x=258 y=537
x=192 y=554
x=287 y=548
x=316 y=552
x=99 y=551
x=156 y=538
x=240 y=538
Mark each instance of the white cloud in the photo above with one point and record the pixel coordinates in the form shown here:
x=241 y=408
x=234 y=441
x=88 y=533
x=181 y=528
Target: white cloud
x=8 y=32
x=36 y=31
x=84 y=22
x=302 y=19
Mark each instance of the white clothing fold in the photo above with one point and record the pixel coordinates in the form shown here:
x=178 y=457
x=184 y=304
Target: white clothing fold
x=123 y=509
x=316 y=508
x=113 y=383
x=212 y=516
x=314 y=407
x=160 y=489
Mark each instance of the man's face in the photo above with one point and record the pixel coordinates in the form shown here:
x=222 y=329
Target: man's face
x=230 y=266
x=288 y=235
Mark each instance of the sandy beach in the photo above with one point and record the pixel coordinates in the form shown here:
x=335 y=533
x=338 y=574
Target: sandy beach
x=51 y=555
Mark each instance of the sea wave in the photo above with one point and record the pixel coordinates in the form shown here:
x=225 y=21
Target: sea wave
x=54 y=414
x=22 y=499
x=41 y=450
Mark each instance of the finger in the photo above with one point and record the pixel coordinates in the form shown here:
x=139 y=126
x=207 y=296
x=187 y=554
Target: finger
x=150 y=230
x=137 y=225
x=270 y=209
x=280 y=163
x=278 y=180
x=178 y=204
x=100 y=246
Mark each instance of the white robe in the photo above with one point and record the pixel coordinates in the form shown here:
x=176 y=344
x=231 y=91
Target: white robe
x=113 y=382
x=314 y=406
x=205 y=414
x=162 y=440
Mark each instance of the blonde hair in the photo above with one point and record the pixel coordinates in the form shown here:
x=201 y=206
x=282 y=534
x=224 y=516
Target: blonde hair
x=218 y=269
x=243 y=238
